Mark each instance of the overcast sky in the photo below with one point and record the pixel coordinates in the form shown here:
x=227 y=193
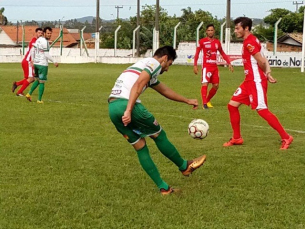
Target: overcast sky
x=49 y=10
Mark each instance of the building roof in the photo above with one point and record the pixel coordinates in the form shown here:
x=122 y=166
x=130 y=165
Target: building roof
x=15 y=35
x=291 y=39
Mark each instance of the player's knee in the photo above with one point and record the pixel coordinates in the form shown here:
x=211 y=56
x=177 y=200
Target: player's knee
x=161 y=134
x=139 y=144
x=216 y=86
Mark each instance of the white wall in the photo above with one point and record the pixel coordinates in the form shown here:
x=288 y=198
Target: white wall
x=185 y=54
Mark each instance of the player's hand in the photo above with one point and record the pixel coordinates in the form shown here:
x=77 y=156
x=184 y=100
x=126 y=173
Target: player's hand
x=270 y=78
x=126 y=118
x=231 y=68
x=56 y=64
x=195 y=69
x=193 y=102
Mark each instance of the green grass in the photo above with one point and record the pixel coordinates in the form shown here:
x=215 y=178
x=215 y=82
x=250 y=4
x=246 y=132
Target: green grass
x=63 y=165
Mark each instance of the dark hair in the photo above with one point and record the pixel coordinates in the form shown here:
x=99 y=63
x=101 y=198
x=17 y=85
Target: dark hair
x=244 y=22
x=168 y=51
x=47 y=28
x=210 y=25
x=38 y=29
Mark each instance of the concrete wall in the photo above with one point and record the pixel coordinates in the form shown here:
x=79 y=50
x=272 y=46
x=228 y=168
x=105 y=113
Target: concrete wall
x=185 y=54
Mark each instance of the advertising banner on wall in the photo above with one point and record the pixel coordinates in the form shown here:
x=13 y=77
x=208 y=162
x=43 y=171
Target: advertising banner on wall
x=291 y=60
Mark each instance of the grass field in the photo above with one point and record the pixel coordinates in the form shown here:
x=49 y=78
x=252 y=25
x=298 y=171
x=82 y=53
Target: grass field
x=63 y=165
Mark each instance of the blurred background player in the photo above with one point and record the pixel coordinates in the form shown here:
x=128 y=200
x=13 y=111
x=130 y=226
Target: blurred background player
x=40 y=57
x=135 y=122
x=253 y=91
x=210 y=74
x=28 y=71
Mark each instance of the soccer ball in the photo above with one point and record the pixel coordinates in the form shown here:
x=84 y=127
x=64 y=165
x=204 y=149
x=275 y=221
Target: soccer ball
x=198 y=129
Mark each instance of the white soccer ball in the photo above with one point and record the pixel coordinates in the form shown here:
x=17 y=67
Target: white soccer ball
x=198 y=129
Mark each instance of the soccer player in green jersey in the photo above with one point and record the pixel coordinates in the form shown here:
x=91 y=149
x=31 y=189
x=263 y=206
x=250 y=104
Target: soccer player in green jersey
x=40 y=56
x=135 y=122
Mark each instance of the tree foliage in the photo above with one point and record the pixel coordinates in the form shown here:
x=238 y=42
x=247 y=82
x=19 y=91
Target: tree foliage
x=291 y=22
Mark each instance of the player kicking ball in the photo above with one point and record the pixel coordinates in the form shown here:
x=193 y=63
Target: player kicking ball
x=135 y=122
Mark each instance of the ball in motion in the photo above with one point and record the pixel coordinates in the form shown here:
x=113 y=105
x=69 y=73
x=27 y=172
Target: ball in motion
x=198 y=129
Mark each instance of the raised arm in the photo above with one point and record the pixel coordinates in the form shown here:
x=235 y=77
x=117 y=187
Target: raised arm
x=172 y=95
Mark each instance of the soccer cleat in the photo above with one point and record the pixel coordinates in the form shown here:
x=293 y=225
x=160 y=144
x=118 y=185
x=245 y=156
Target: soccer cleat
x=209 y=105
x=20 y=94
x=166 y=192
x=14 y=87
x=233 y=141
x=194 y=164
x=205 y=106
x=28 y=97
x=40 y=101
x=286 y=142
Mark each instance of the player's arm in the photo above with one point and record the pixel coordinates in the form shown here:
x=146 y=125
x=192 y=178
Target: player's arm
x=135 y=92
x=172 y=95
x=263 y=63
x=32 y=53
x=195 y=69
x=50 y=58
x=225 y=57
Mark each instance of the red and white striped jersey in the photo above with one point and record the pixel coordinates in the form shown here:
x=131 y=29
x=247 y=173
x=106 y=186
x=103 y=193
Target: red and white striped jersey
x=27 y=56
x=251 y=46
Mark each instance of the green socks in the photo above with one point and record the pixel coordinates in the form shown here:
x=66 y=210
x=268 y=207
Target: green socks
x=34 y=86
x=169 y=150
x=41 y=90
x=150 y=168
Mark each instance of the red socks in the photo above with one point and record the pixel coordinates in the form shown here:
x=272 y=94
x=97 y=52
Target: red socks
x=273 y=122
x=235 y=121
x=24 y=86
x=204 y=90
x=212 y=92
x=18 y=83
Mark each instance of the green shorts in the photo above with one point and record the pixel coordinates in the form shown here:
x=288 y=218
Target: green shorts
x=41 y=72
x=143 y=123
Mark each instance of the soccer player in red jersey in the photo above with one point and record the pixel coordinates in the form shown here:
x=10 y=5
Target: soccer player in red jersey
x=253 y=91
x=209 y=46
x=27 y=67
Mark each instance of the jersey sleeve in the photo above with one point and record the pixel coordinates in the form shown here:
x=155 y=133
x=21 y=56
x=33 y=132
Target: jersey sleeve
x=152 y=68
x=252 y=46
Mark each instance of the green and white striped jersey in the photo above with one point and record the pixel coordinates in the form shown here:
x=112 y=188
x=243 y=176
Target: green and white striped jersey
x=126 y=80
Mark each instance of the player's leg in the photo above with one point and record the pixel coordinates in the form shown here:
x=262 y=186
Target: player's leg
x=170 y=151
x=215 y=85
x=239 y=97
x=116 y=111
x=28 y=74
x=205 y=79
x=260 y=104
x=24 y=66
x=34 y=85
x=43 y=76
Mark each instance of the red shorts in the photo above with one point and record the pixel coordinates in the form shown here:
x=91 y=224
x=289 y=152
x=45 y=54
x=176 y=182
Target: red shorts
x=254 y=93
x=28 y=71
x=210 y=75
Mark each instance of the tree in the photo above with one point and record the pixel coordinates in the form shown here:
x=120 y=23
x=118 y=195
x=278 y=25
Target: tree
x=291 y=22
x=3 y=19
